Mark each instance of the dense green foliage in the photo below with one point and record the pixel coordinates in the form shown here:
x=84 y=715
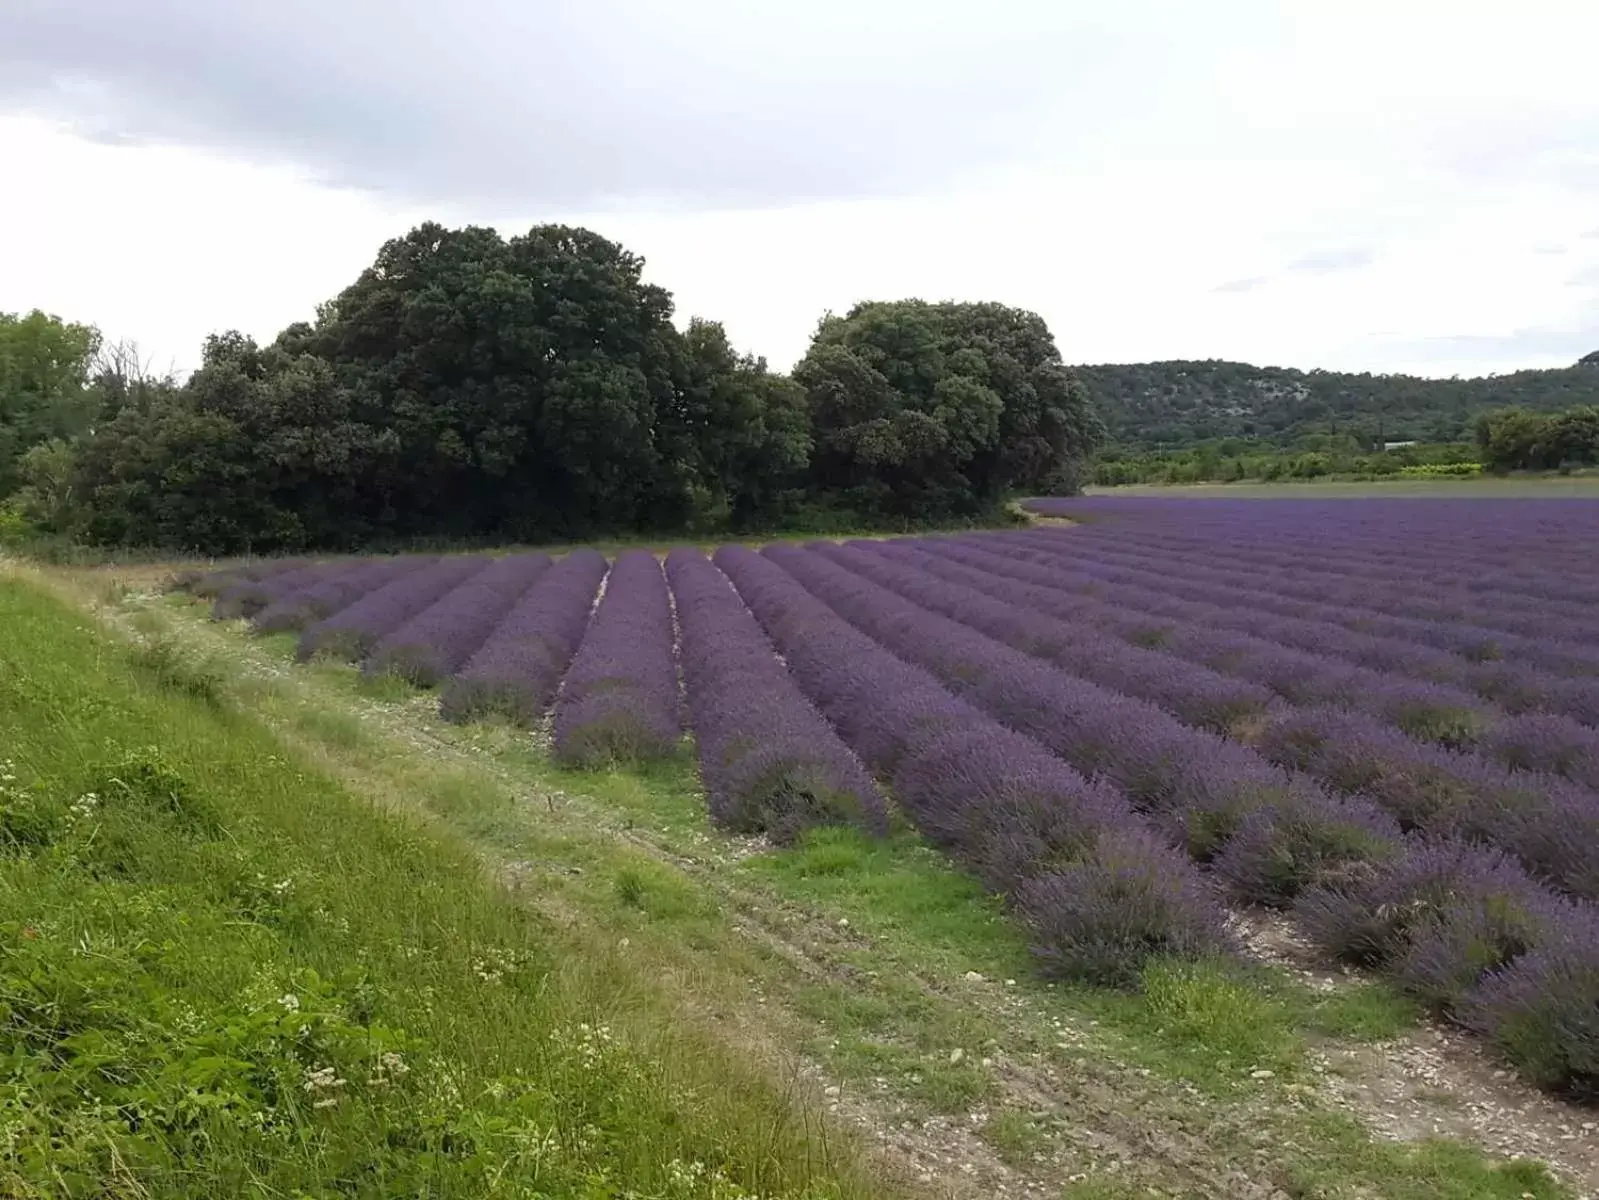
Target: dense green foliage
x=224 y=974
x=535 y=388
x=941 y=408
x=1176 y=404
x=44 y=374
x=1234 y=460
x=1515 y=439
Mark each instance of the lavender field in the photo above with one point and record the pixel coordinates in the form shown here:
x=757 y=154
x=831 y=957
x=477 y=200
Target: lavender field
x=1379 y=717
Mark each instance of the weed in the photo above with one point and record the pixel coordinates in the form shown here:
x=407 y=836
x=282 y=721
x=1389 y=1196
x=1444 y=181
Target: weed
x=1016 y=1136
x=630 y=888
x=1367 y=1012
x=1206 y=1005
x=161 y=659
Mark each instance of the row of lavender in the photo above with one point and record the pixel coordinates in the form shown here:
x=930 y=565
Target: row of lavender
x=496 y=636
x=1461 y=555
x=520 y=636
x=1457 y=922
x=1100 y=889
x=1067 y=719
x=1355 y=730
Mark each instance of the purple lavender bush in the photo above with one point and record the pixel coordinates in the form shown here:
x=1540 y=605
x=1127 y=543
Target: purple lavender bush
x=768 y=760
x=245 y=596
x=1437 y=918
x=1547 y=743
x=1103 y=918
x=331 y=593
x=1172 y=771
x=1196 y=694
x=619 y=703
x=1099 y=892
x=1302 y=839
x=352 y=633
x=1542 y=1011
x=518 y=668
x=1551 y=825
x=437 y=642
x=209 y=584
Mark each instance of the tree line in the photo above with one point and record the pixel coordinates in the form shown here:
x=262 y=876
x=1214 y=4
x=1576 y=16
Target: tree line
x=1515 y=439
x=1311 y=457
x=532 y=388
x=1505 y=439
x=1173 y=405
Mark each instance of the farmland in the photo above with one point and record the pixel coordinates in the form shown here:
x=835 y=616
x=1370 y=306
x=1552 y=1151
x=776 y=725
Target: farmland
x=1190 y=848
x=1381 y=718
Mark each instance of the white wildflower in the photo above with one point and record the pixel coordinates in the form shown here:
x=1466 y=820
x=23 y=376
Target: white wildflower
x=496 y=964
x=83 y=807
x=290 y=1001
x=390 y=1068
x=323 y=1083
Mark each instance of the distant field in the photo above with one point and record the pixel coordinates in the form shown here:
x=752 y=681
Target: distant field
x=1512 y=487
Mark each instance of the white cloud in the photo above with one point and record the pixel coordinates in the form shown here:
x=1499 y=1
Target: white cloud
x=1359 y=186
x=164 y=245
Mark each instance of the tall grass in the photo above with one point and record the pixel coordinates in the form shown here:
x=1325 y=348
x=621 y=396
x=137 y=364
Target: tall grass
x=222 y=974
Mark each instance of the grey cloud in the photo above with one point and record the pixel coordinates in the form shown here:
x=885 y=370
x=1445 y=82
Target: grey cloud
x=1522 y=345
x=1243 y=285
x=1587 y=276
x=1332 y=260
x=1320 y=263
x=563 y=104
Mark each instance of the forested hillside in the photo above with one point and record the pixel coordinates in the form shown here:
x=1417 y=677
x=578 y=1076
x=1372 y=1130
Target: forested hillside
x=1174 y=404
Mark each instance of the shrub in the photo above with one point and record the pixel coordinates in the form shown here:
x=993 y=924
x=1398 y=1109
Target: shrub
x=143 y=780
x=1103 y=919
x=1542 y=1011
x=15 y=528
x=1437 y=917
x=1303 y=840
x=172 y=668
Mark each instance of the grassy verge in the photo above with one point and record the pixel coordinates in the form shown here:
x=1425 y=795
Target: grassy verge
x=224 y=973
x=63 y=552
x=903 y=990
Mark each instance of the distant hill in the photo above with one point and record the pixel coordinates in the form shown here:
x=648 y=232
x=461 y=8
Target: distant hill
x=1169 y=404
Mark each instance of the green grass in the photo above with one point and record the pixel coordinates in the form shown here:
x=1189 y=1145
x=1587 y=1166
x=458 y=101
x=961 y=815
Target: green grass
x=222 y=973
x=855 y=954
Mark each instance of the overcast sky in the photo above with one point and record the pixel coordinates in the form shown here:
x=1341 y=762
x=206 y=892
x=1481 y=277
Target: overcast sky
x=1408 y=186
